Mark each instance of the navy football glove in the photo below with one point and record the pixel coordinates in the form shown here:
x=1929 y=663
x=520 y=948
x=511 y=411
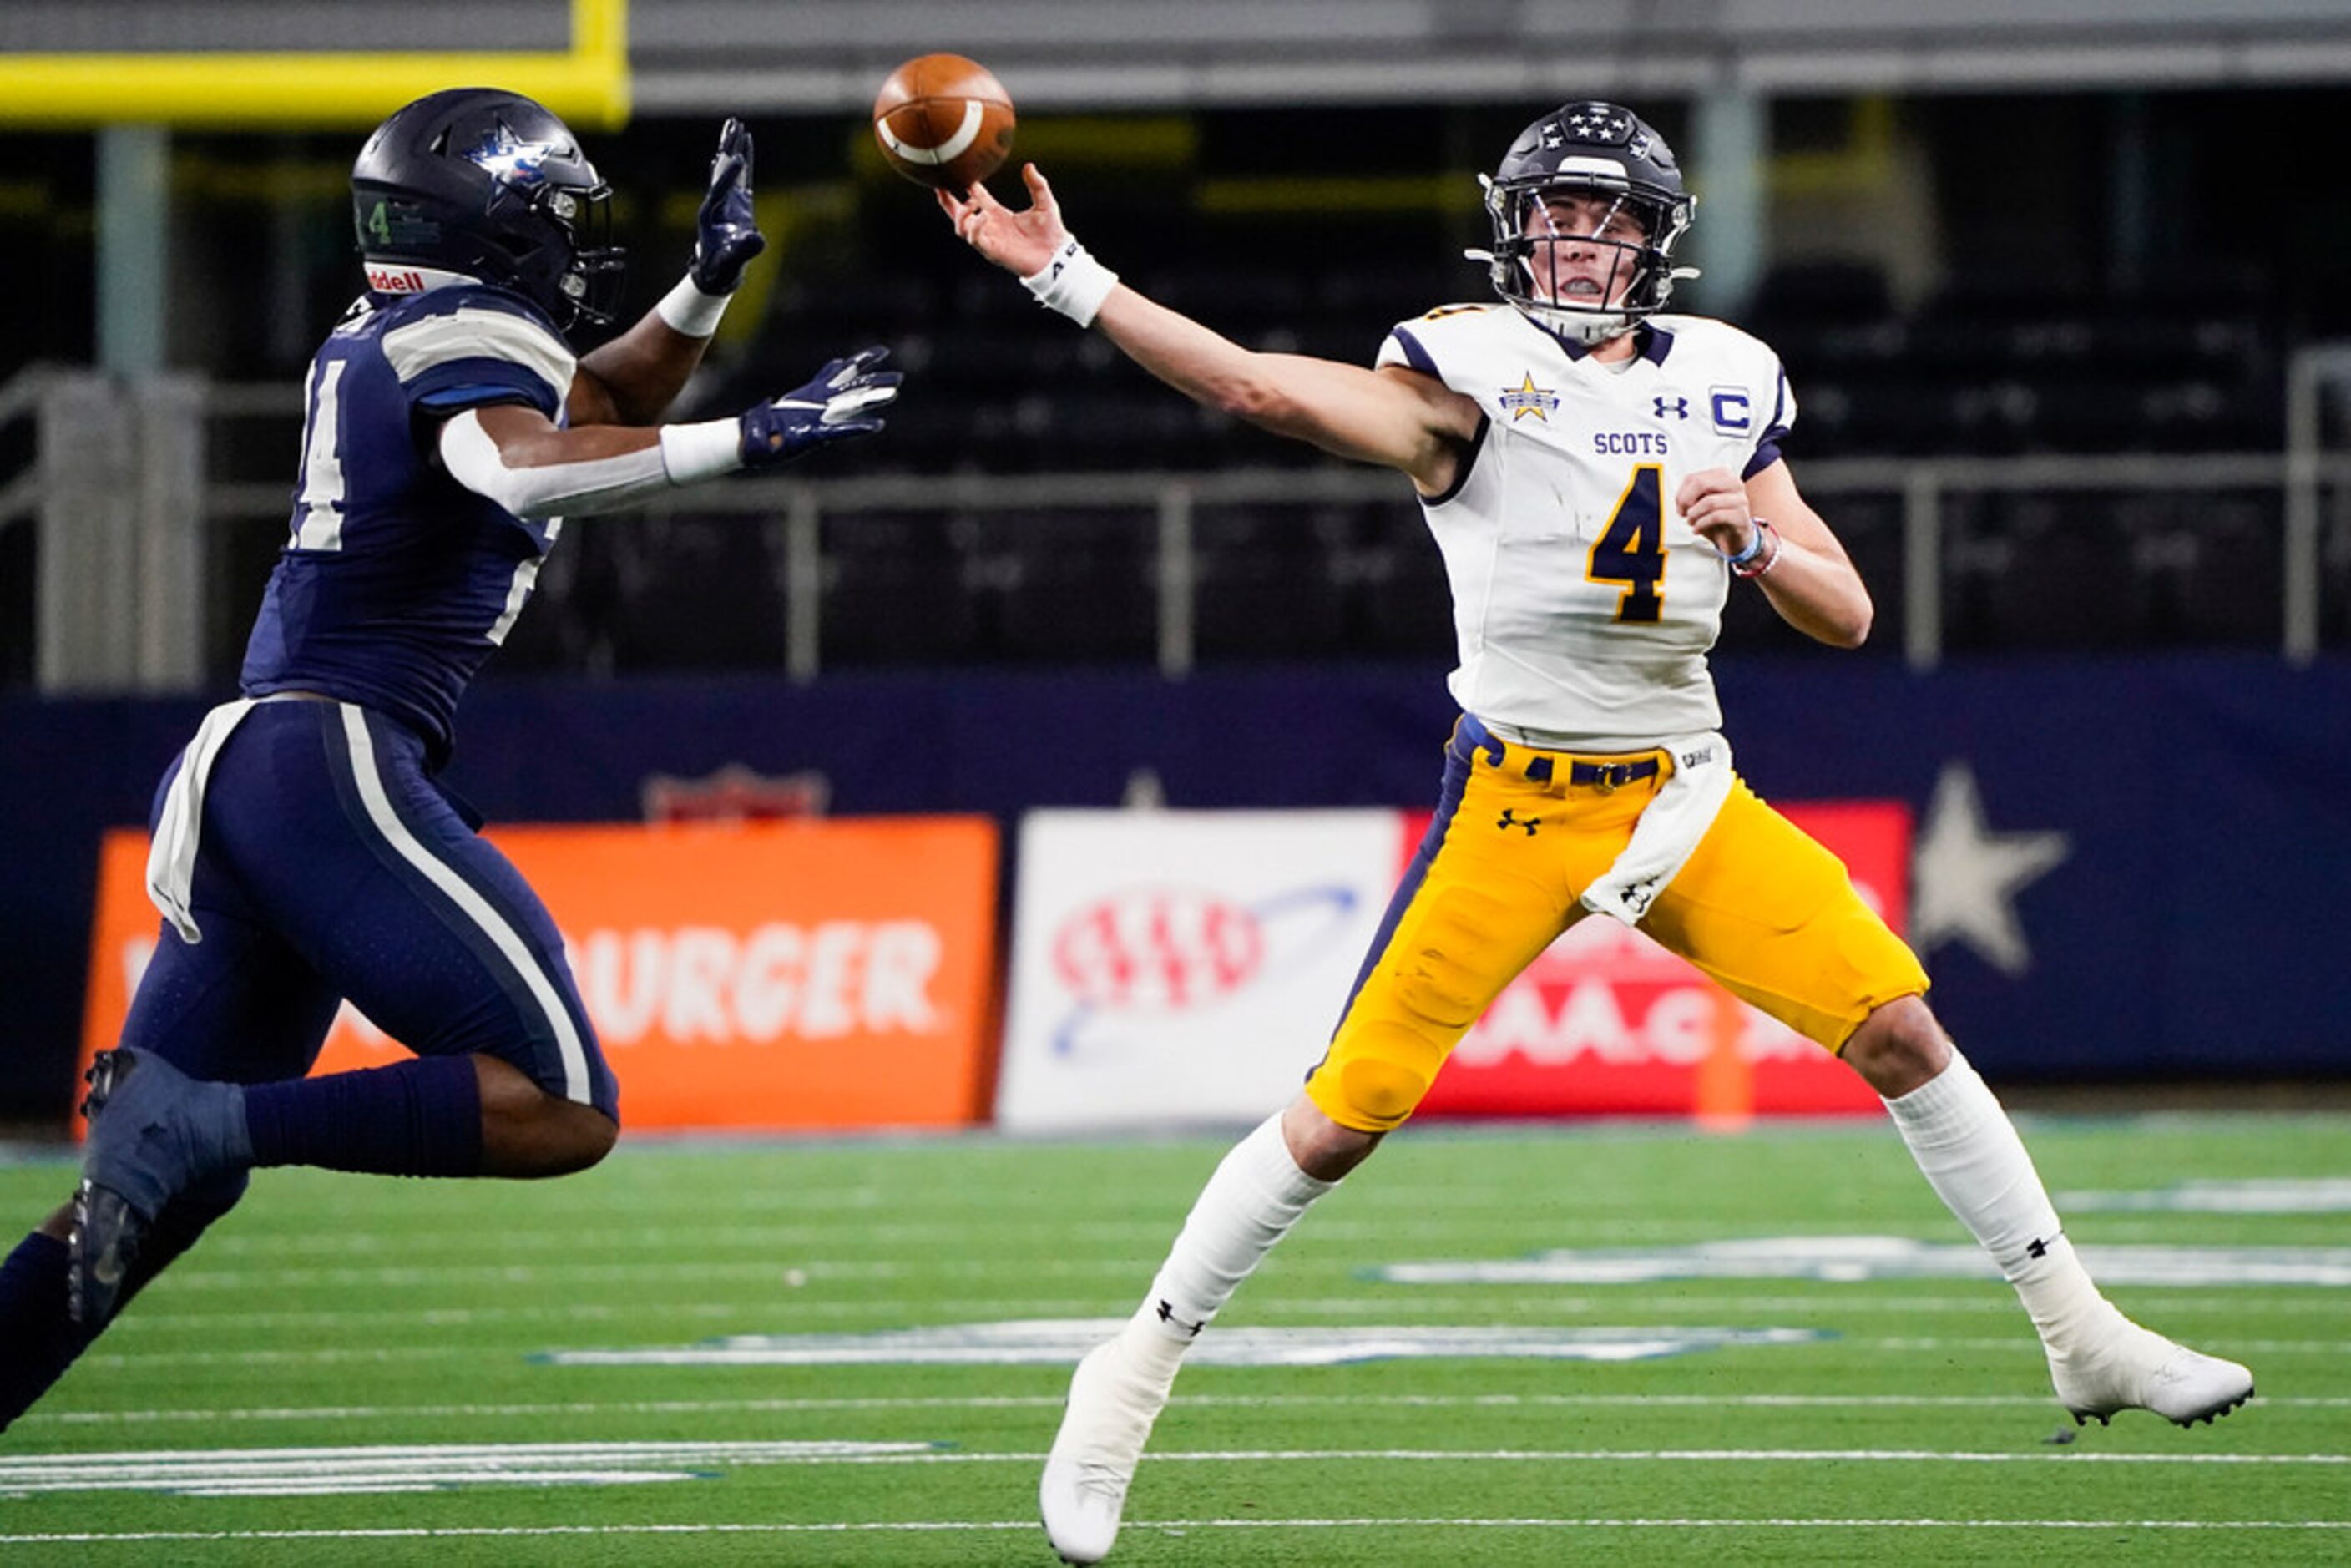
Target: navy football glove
x=845 y=400
x=726 y=233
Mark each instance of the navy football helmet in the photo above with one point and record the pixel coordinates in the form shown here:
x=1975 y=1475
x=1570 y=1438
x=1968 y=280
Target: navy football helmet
x=488 y=184
x=1590 y=150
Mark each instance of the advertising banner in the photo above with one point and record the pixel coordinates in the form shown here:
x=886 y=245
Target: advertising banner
x=1174 y=966
x=763 y=975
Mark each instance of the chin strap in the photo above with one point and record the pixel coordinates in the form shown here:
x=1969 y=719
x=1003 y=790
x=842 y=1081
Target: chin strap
x=1589 y=329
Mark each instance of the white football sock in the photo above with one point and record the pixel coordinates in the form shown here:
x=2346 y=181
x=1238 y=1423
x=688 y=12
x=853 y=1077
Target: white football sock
x=1971 y=1156
x=1257 y=1193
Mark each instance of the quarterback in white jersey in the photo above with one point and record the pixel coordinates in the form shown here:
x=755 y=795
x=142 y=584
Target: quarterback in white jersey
x=1585 y=605
x=1596 y=473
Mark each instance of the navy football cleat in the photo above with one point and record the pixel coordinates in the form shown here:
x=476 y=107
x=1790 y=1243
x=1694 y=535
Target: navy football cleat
x=153 y=1133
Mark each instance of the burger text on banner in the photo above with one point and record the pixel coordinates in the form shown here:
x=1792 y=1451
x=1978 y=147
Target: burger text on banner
x=773 y=976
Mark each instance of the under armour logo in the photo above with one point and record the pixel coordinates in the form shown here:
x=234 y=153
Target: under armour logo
x=1677 y=407
x=1167 y=1315
x=2040 y=1249
x=1529 y=824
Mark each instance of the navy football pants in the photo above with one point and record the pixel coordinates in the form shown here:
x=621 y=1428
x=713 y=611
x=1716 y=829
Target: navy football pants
x=332 y=866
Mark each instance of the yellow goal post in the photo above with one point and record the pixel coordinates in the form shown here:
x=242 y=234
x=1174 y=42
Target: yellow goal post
x=587 y=84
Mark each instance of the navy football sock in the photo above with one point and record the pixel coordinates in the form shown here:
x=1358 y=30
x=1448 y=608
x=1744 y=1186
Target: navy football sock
x=418 y=1118
x=38 y=1340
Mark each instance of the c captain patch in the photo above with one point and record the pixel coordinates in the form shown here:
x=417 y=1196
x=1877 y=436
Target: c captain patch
x=1526 y=397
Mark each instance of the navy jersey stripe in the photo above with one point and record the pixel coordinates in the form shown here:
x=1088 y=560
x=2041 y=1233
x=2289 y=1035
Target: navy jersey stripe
x=443 y=387
x=1461 y=469
x=474 y=395
x=1775 y=430
x=1414 y=355
x=1449 y=801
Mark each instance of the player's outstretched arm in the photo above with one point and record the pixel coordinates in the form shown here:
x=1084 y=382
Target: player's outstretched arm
x=633 y=378
x=520 y=458
x=1793 y=557
x=1395 y=417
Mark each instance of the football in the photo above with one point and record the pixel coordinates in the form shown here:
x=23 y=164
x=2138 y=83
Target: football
x=943 y=120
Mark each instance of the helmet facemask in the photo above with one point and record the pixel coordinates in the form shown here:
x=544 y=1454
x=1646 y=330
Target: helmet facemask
x=550 y=219
x=1592 y=278
x=590 y=280
x=1586 y=210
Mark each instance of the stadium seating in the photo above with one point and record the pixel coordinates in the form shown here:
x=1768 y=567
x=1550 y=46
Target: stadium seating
x=1986 y=370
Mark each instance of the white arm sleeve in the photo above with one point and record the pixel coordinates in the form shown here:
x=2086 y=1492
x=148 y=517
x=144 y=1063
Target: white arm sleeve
x=683 y=455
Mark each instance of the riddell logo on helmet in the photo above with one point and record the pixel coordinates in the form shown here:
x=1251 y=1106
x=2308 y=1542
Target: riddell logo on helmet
x=395 y=280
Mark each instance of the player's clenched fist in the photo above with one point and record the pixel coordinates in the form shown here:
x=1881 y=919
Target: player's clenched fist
x=845 y=400
x=1714 y=502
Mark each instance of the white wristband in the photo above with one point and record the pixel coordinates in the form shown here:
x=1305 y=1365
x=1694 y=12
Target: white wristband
x=693 y=452
x=689 y=311
x=1072 y=283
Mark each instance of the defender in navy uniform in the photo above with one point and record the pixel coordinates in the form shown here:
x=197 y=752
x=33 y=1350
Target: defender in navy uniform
x=303 y=852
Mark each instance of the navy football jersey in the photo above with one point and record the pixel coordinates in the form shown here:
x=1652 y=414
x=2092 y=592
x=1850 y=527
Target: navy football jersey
x=396 y=582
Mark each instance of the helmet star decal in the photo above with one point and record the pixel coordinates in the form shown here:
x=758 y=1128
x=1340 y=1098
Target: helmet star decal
x=1599 y=122
x=1526 y=397
x=509 y=160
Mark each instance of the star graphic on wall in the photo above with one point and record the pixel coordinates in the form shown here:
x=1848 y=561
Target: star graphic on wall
x=1968 y=876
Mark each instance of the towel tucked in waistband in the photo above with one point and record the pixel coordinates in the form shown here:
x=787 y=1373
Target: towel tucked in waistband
x=1669 y=830
x=172 y=858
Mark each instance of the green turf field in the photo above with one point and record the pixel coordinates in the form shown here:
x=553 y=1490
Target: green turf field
x=424 y=1342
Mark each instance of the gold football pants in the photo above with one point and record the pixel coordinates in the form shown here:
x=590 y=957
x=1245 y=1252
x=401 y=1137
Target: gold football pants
x=1759 y=905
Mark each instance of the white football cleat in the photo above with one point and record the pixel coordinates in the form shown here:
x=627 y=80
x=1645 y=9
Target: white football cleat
x=1112 y=1403
x=2136 y=1369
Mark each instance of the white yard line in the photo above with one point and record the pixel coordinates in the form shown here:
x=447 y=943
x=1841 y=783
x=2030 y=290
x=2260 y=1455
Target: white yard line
x=136 y=1359
x=957 y=1526
x=798 y=1299
x=39 y=1417
x=1387 y=1235
x=219 y=1471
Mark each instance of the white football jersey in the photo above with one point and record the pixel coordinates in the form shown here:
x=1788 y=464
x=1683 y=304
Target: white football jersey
x=1584 y=605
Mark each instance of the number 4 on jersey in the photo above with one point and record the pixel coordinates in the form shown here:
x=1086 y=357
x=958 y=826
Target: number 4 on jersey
x=319 y=523
x=1631 y=548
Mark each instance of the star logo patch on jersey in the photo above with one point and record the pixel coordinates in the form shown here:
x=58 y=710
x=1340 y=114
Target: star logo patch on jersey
x=1526 y=397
